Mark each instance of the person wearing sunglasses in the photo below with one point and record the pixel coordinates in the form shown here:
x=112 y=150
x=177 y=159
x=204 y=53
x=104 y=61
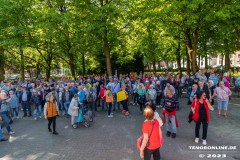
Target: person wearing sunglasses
x=200 y=108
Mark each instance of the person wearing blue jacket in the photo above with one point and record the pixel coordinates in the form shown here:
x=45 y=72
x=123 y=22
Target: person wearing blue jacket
x=36 y=101
x=14 y=104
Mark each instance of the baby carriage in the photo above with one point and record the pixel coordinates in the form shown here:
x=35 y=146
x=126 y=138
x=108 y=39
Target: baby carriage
x=83 y=119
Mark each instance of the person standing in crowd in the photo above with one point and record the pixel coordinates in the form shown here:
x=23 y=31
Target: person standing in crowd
x=204 y=88
x=25 y=102
x=177 y=82
x=222 y=93
x=115 y=87
x=200 y=108
x=151 y=95
x=135 y=94
x=226 y=79
x=14 y=104
x=211 y=87
x=4 y=109
x=193 y=93
x=141 y=96
x=36 y=101
x=60 y=99
x=50 y=112
x=169 y=88
x=152 y=138
x=159 y=93
x=91 y=99
x=67 y=96
x=73 y=109
x=169 y=113
x=214 y=78
x=102 y=96
x=1 y=133
x=109 y=101
x=124 y=102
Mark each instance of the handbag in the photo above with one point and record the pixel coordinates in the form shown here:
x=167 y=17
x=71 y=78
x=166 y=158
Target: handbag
x=140 y=139
x=190 y=115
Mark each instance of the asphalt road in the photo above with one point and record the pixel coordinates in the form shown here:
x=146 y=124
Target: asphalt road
x=115 y=138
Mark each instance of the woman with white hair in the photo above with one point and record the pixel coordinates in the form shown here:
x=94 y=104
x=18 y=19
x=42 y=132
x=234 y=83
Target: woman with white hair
x=222 y=93
x=211 y=87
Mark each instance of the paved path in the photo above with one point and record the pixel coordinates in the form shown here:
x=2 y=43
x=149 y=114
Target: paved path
x=115 y=138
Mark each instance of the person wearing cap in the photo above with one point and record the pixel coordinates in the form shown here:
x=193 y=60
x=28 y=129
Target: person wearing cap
x=25 y=99
x=36 y=101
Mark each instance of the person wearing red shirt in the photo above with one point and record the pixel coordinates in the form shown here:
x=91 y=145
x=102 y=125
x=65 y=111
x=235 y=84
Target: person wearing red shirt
x=102 y=96
x=152 y=140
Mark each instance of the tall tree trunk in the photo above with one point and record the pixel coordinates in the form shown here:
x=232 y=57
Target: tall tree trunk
x=22 y=65
x=71 y=65
x=48 y=73
x=38 y=71
x=192 y=49
x=237 y=39
x=83 y=63
x=2 y=63
x=167 y=64
x=179 y=57
x=188 y=61
x=154 y=67
x=159 y=65
x=107 y=54
x=227 y=55
x=206 y=61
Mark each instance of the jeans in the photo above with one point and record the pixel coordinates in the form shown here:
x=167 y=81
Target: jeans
x=6 y=121
x=52 y=120
x=38 y=109
x=205 y=128
x=1 y=134
x=135 y=98
x=102 y=104
x=125 y=105
x=116 y=103
x=25 y=106
x=14 y=110
x=91 y=106
x=153 y=101
x=222 y=104
x=66 y=106
x=178 y=94
x=173 y=122
x=109 y=108
x=148 y=154
x=61 y=106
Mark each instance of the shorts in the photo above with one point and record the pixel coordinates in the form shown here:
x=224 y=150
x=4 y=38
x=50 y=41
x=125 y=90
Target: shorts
x=222 y=104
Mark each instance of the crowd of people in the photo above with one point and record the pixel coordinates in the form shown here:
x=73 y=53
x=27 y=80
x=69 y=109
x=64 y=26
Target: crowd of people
x=64 y=97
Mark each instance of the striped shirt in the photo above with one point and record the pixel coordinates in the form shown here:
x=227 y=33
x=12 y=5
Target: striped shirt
x=170 y=104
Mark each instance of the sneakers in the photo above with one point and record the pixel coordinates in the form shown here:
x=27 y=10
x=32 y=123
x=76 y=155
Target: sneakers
x=50 y=130
x=196 y=140
x=168 y=134
x=35 y=118
x=174 y=135
x=4 y=139
x=204 y=142
x=110 y=116
x=40 y=117
x=127 y=113
x=17 y=117
x=55 y=133
x=11 y=133
x=124 y=111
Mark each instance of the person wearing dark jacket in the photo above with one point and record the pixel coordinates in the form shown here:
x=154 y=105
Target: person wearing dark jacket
x=36 y=101
x=25 y=99
x=67 y=97
x=205 y=89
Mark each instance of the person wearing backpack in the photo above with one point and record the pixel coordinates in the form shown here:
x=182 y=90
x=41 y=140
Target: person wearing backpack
x=91 y=98
x=109 y=100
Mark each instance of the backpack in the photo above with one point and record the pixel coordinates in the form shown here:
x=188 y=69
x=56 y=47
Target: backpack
x=90 y=97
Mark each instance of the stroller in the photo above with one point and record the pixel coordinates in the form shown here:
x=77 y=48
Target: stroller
x=83 y=118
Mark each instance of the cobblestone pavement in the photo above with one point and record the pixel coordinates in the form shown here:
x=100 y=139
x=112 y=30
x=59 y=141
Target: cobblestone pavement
x=115 y=138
